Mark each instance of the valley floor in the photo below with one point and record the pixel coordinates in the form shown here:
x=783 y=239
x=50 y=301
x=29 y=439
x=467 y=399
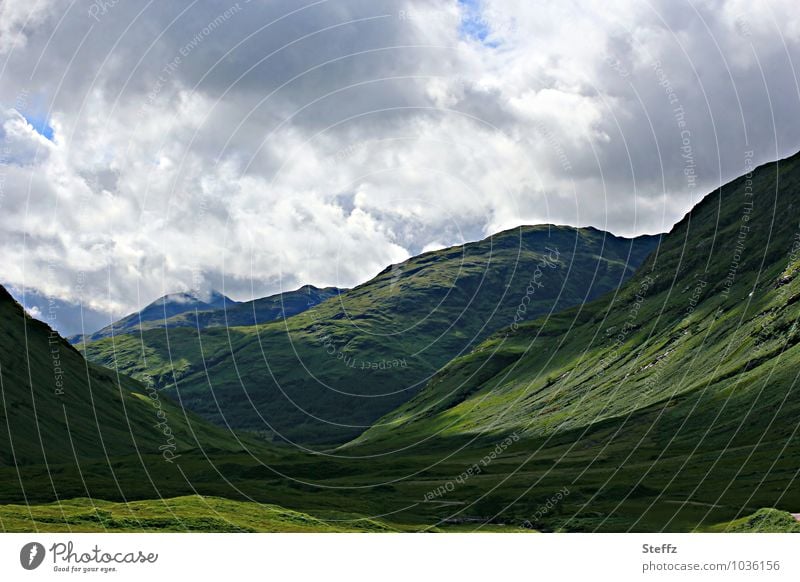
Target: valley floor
x=212 y=514
x=179 y=514
x=585 y=484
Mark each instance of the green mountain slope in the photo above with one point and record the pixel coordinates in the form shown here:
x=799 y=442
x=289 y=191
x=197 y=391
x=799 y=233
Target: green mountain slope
x=681 y=388
x=326 y=374
x=604 y=417
x=73 y=434
x=58 y=408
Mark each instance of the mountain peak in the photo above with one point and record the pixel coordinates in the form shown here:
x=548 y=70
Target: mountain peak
x=211 y=298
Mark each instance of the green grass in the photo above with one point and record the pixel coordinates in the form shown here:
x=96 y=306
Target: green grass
x=180 y=514
x=762 y=521
x=645 y=493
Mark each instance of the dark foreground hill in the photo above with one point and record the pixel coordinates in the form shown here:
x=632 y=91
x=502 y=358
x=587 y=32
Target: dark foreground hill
x=326 y=374
x=57 y=407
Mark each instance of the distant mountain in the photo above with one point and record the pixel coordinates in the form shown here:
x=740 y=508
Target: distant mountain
x=325 y=374
x=57 y=408
x=157 y=313
x=177 y=303
x=215 y=310
x=274 y=307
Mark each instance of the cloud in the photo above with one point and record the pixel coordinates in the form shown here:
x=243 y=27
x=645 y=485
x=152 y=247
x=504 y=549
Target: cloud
x=24 y=145
x=34 y=312
x=256 y=146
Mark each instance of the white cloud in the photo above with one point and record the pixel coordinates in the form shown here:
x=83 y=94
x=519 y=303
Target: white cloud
x=34 y=312
x=346 y=136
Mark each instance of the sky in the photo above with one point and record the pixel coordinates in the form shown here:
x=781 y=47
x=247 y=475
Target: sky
x=255 y=146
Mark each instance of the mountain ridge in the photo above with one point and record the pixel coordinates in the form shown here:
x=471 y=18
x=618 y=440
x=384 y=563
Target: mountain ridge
x=189 y=310
x=332 y=369
x=619 y=344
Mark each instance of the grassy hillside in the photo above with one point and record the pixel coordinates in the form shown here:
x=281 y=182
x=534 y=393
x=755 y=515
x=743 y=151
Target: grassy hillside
x=702 y=322
x=765 y=520
x=57 y=408
x=682 y=386
x=73 y=434
x=325 y=375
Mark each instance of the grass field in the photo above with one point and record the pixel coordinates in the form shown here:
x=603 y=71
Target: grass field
x=181 y=514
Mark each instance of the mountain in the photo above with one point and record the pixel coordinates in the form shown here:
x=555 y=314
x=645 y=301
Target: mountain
x=326 y=374
x=187 y=310
x=157 y=313
x=712 y=312
x=254 y=312
x=58 y=408
x=681 y=387
x=668 y=405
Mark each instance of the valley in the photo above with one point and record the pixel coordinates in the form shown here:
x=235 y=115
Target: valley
x=647 y=385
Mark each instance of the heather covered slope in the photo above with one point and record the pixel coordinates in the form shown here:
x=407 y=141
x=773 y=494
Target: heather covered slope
x=325 y=375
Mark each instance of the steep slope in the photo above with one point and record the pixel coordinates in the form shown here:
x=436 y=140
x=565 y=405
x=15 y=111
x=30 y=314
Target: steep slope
x=325 y=375
x=58 y=408
x=692 y=365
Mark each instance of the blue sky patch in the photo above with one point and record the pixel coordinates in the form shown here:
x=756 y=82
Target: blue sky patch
x=41 y=124
x=473 y=24
x=66 y=318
